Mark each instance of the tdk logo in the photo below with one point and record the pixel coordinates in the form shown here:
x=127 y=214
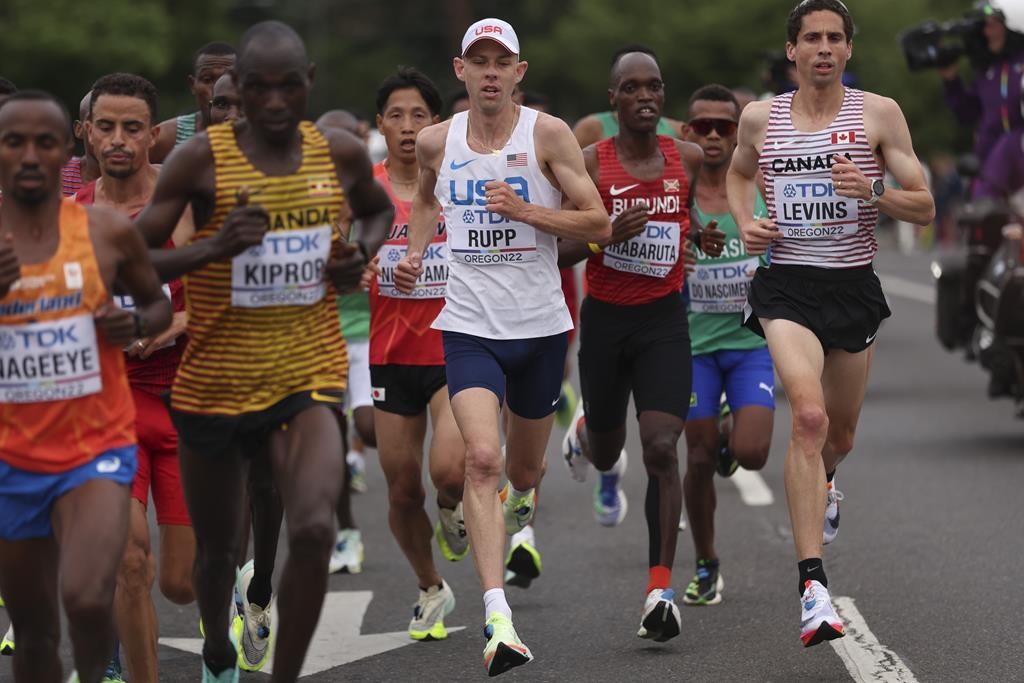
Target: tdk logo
x=473 y=191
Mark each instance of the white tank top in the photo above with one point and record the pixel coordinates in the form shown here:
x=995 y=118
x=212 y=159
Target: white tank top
x=503 y=280
x=818 y=227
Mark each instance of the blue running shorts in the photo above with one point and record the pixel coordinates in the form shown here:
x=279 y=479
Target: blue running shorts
x=748 y=378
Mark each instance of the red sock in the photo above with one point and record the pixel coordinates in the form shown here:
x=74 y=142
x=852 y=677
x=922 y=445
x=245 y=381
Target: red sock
x=659 y=577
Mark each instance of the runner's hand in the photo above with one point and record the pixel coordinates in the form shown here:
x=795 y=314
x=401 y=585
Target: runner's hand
x=370 y=273
x=502 y=200
x=689 y=256
x=407 y=272
x=10 y=266
x=345 y=270
x=244 y=227
x=116 y=324
x=712 y=240
x=629 y=223
x=144 y=348
x=758 y=234
x=849 y=181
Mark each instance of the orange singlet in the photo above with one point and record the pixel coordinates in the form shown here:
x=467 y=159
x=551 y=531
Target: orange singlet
x=64 y=396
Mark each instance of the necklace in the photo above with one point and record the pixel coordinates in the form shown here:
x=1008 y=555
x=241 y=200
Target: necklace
x=508 y=138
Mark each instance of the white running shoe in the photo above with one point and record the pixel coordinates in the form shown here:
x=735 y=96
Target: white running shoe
x=429 y=612
x=661 y=620
x=610 y=504
x=523 y=563
x=357 y=466
x=7 y=644
x=254 y=644
x=451 y=534
x=818 y=619
x=348 y=552
x=832 y=499
x=518 y=510
x=572 y=453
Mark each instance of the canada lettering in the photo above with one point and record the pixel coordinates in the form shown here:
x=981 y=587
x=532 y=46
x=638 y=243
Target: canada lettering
x=822 y=162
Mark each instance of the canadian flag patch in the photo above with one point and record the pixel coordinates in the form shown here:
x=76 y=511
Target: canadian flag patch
x=845 y=136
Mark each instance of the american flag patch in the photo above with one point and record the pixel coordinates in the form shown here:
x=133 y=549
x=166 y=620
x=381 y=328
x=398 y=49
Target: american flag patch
x=845 y=136
x=671 y=185
x=515 y=160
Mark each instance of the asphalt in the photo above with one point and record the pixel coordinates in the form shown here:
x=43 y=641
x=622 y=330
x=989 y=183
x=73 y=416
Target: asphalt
x=929 y=550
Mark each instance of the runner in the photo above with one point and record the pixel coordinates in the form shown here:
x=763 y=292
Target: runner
x=120 y=127
x=272 y=308
x=823 y=150
x=86 y=168
x=602 y=125
x=407 y=365
x=500 y=170
x=67 y=454
x=210 y=62
x=725 y=356
x=225 y=104
x=633 y=332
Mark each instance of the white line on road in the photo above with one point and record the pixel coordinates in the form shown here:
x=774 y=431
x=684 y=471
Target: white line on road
x=867 y=660
x=908 y=289
x=753 y=490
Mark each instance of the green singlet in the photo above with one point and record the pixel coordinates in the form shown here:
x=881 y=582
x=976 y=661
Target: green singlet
x=185 y=127
x=718 y=289
x=610 y=126
x=354 y=312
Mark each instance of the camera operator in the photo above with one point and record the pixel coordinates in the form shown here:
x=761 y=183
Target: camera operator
x=991 y=102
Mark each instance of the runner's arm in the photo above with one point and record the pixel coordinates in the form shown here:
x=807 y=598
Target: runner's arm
x=559 y=151
x=135 y=272
x=913 y=202
x=740 y=179
x=571 y=252
x=425 y=207
x=370 y=204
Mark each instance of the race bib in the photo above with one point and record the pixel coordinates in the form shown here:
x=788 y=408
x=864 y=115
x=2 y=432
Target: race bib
x=483 y=245
x=653 y=252
x=809 y=208
x=431 y=284
x=721 y=287
x=55 y=360
x=286 y=270
x=127 y=303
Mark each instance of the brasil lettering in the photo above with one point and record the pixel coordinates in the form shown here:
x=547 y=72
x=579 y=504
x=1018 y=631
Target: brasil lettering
x=54 y=360
x=285 y=270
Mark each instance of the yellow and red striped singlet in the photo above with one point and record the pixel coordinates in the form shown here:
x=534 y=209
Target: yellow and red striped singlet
x=263 y=325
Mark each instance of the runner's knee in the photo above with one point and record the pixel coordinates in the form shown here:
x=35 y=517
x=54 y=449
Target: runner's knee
x=315 y=534
x=406 y=492
x=450 y=482
x=840 y=440
x=177 y=587
x=135 y=573
x=660 y=454
x=750 y=451
x=810 y=423
x=483 y=463
x=87 y=599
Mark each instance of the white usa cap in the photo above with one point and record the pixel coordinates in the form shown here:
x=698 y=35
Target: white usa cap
x=497 y=30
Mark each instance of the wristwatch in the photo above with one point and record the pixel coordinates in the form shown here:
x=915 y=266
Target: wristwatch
x=877 y=190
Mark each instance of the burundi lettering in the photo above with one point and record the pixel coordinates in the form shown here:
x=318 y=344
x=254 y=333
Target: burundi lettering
x=662 y=204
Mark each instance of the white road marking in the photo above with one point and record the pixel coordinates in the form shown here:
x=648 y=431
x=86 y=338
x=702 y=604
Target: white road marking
x=907 y=289
x=753 y=490
x=337 y=639
x=867 y=660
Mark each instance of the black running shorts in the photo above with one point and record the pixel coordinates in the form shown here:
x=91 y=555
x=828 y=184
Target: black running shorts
x=405 y=389
x=843 y=307
x=643 y=349
x=249 y=432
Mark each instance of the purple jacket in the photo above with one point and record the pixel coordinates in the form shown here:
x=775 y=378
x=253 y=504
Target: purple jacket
x=980 y=105
x=1003 y=171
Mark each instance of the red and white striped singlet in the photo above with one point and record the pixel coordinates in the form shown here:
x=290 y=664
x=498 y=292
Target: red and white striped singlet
x=818 y=227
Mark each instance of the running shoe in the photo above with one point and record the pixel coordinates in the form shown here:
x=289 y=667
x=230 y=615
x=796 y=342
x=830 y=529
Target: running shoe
x=818 y=619
x=727 y=464
x=682 y=521
x=227 y=675
x=504 y=650
x=706 y=586
x=357 y=470
x=661 y=620
x=566 y=406
x=523 y=564
x=113 y=674
x=832 y=499
x=429 y=612
x=450 y=533
x=572 y=452
x=2 y=603
x=518 y=510
x=254 y=643
x=7 y=644
x=610 y=503
x=348 y=552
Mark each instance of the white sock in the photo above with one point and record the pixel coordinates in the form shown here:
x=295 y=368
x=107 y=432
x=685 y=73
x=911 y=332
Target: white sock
x=525 y=534
x=513 y=491
x=494 y=601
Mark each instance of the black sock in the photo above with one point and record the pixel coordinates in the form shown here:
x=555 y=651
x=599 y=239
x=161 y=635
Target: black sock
x=811 y=569
x=829 y=476
x=259 y=592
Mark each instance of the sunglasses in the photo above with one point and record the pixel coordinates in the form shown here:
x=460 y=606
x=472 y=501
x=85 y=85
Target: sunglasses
x=723 y=127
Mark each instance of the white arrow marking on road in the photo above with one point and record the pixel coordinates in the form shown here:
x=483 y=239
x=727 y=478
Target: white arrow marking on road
x=753 y=490
x=337 y=639
x=867 y=660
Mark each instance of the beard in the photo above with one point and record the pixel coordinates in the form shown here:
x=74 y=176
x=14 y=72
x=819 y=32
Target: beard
x=120 y=173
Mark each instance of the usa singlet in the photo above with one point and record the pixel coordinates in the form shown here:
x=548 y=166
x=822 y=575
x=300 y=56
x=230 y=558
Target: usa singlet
x=263 y=325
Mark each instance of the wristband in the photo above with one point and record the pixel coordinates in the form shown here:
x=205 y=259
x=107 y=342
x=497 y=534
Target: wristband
x=594 y=247
x=140 y=325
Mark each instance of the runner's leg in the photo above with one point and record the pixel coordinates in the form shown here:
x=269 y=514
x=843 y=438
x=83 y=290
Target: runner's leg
x=28 y=581
x=134 y=609
x=659 y=436
x=447 y=452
